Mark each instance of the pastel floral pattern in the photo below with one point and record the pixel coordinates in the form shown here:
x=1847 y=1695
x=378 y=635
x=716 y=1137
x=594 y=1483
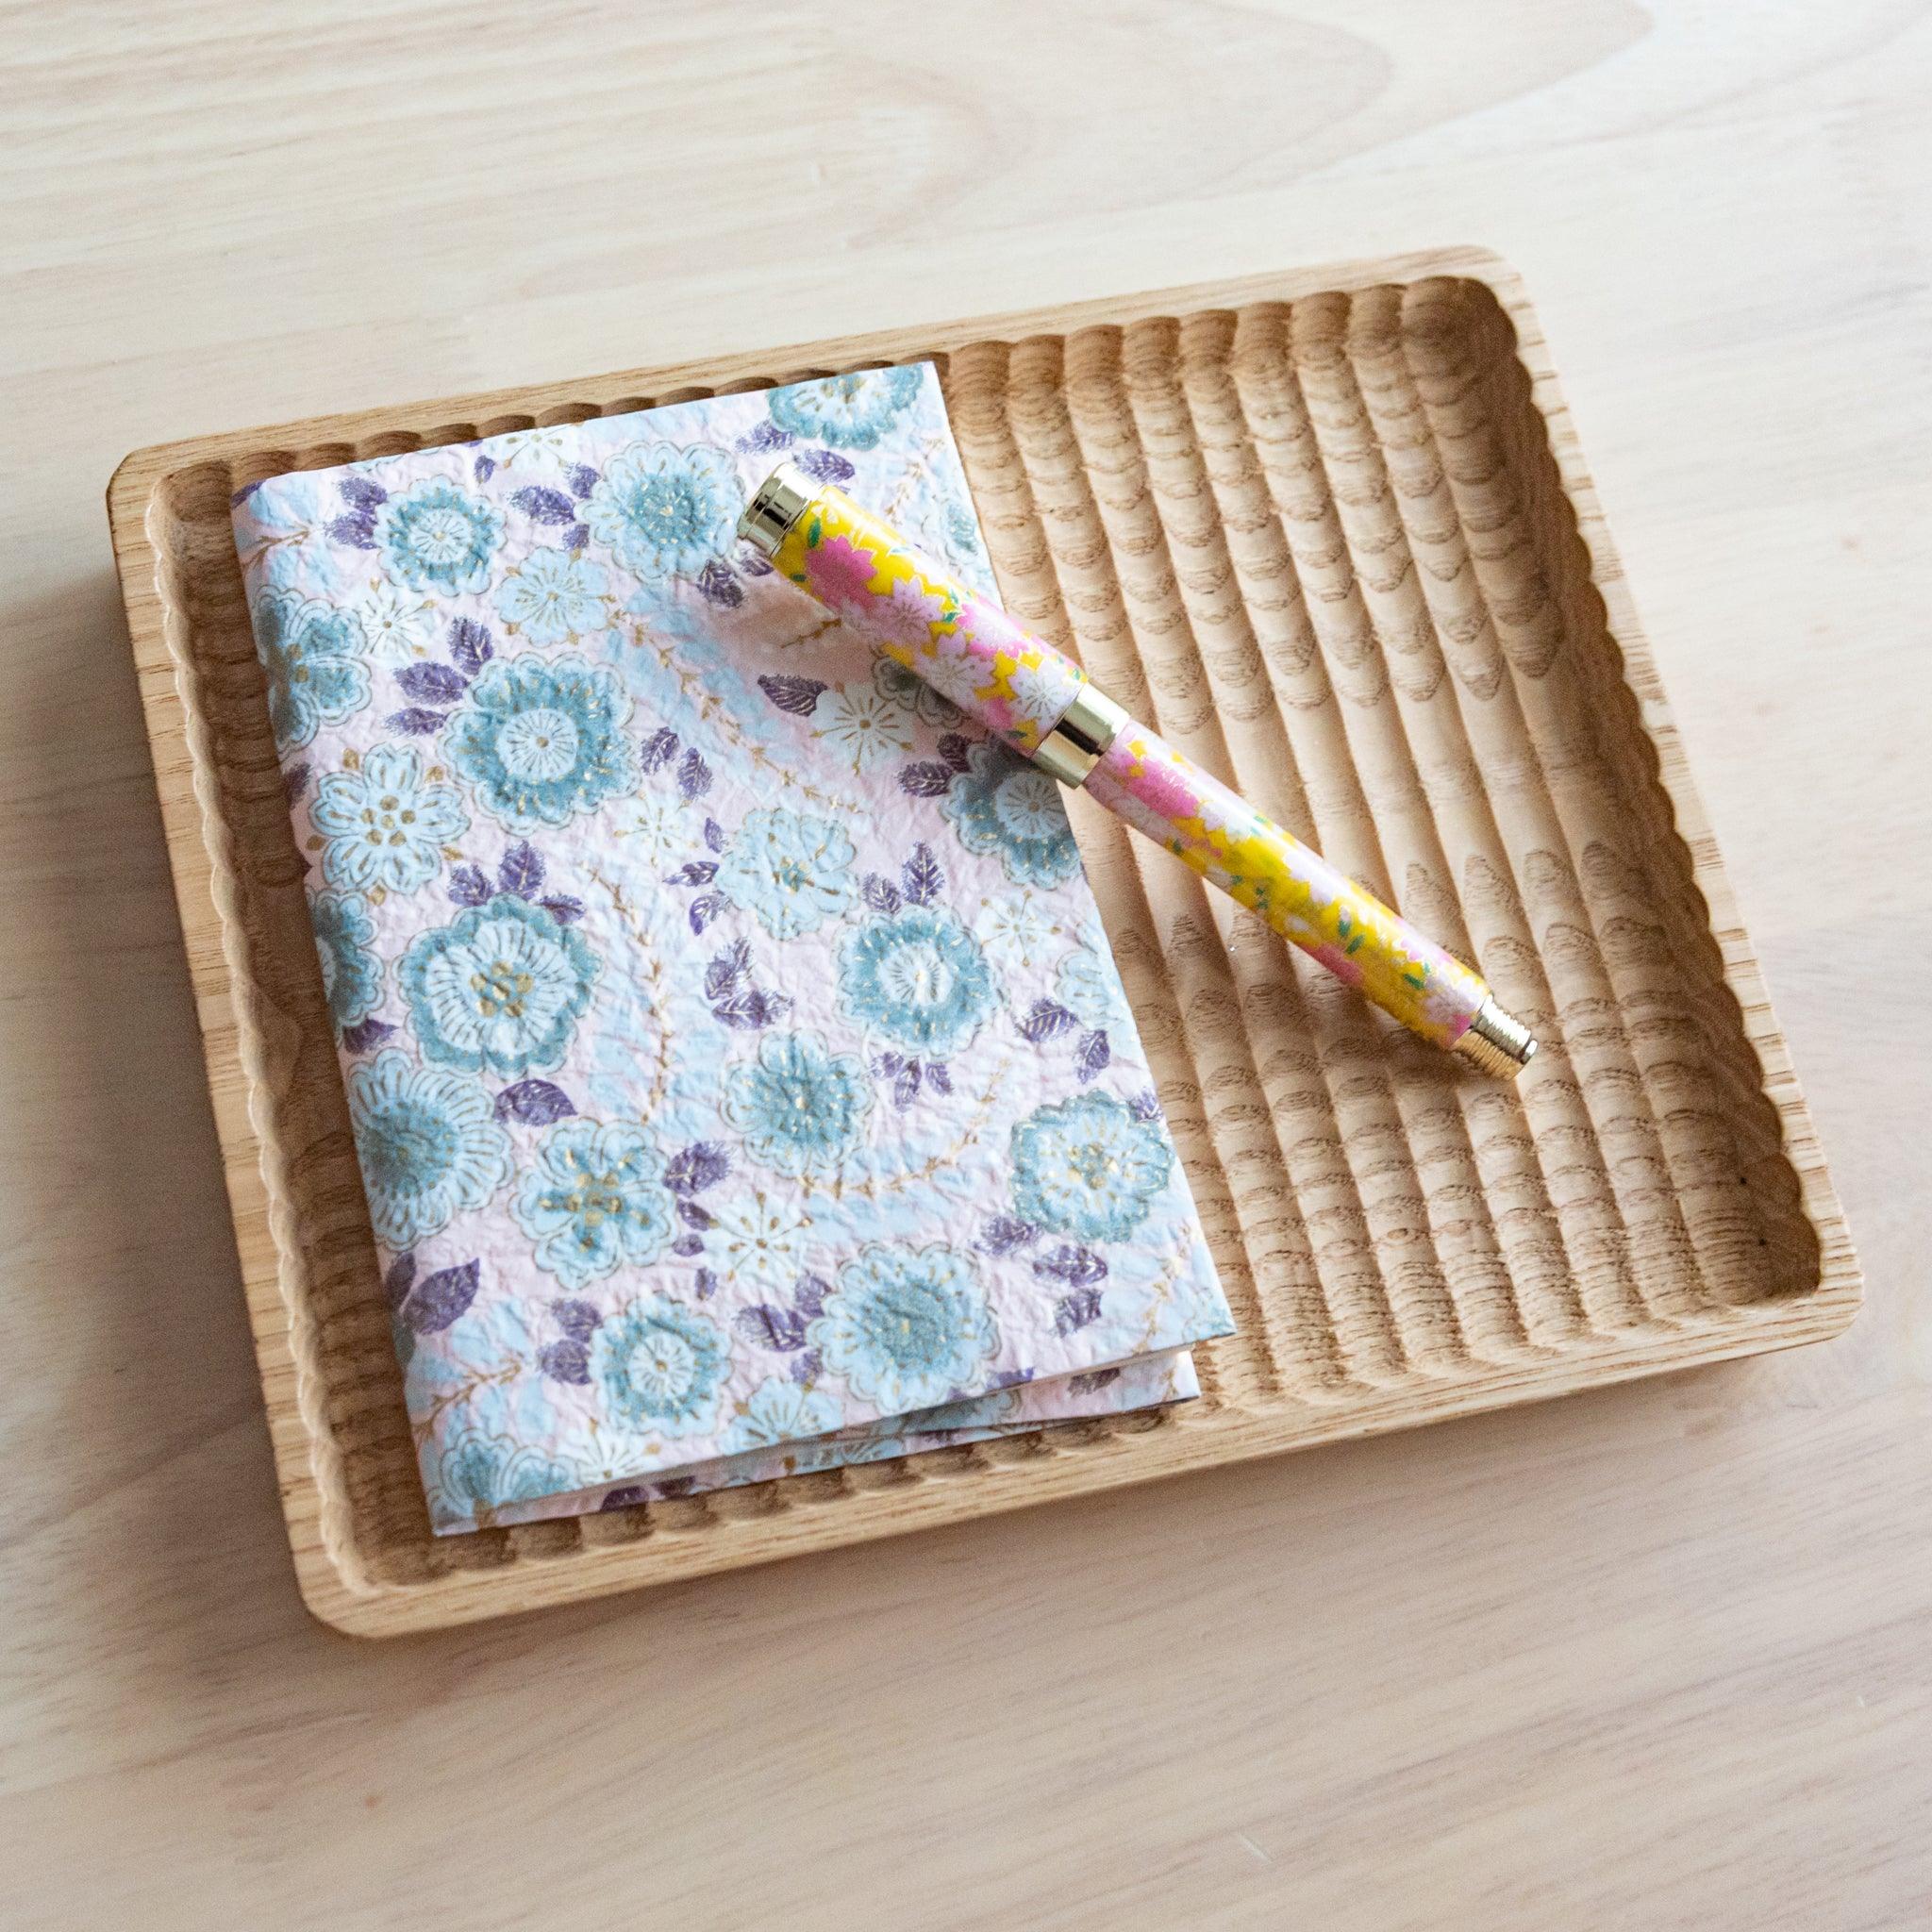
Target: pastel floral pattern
x=918 y=979
x=1088 y=1167
x=552 y=596
x=1087 y=987
x=862 y=725
x=313 y=656
x=387 y=822
x=397 y=624
x=789 y=869
x=542 y=743
x=800 y=1107
x=500 y=989
x=906 y=1326
x=659 y=1365
x=435 y=536
x=597 y=1201
x=1003 y=806
x=904 y=685
x=351 y=973
x=761 y=1243
x=663 y=511
x=478 y=1474
x=847 y=412
x=780 y=1412
x=428 y=1143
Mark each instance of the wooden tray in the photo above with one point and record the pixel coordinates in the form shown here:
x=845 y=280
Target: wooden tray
x=1332 y=532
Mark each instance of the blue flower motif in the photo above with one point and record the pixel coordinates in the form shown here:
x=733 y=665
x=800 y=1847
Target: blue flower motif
x=1005 y=807
x=664 y=511
x=595 y=1201
x=661 y=1364
x=313 y=658
x=478 y=1474
x=386 y=822
x=778 y=1412
x=847 y=412
x=918 y=979
x=789 y=869
x=1088 y=1167
x=799 y=1106
x=435 y=536
x=906 y=1326
x=501 y=989
x=429 y=1144
x=542 y=743
x=351 y=974
x=553 y=596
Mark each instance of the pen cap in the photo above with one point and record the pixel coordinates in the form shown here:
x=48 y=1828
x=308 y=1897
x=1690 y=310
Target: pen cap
x=911 y=607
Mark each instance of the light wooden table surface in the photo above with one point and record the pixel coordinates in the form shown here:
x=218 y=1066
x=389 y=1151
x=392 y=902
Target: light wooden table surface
x=1655 y=1657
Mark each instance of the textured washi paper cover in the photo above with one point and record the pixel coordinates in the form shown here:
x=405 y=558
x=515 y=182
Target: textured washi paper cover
x=740 y=1076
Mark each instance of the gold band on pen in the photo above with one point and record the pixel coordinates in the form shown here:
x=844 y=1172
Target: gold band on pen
x=1084 y=735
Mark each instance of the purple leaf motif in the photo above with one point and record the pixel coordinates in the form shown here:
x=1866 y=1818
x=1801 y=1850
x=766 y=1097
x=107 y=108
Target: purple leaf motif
x=1076 y=1310
x=435 y=1303
x=485 y=468
x=578 y=1319
x=543 y=506
x=810 y=1296
x=520 y=871
x=957 y=751
x=366 y=1033
x=714 y=835
x=1003 y=1235
x=805 y=1368
x=1094 y=1055
x=567 y=1360
x=718 y=582
x=925 y=780
x=694 y=776
x=752 y=1009
x=906 y=1088
x=882 y=895
x=702 y=1165
x=1013 y=1378
x=431 y=684
x=294 y=782
x=921 y=876
x=582 y=480
x=364 y=494
x=1045 y=1019
x=660 y=749
x=564 y=909
x=470 y=647
x=418 y=724
x=1077 y=1267
x=825 y=466
x=750 y=564
x=766 y=437
x=939 y=1077
x=706 y=1284
x=1093 y=1381
x=688 y=1246
x=696 y=872
x=726 y=968
x=765 y=1325
x=577 y=537
x=794 y=694
x=1146 y=1105
x=693 y=1216
x=468 y=886
x=535 y=1103
x=396 y=1283
x=703 y=911
x=357 y=531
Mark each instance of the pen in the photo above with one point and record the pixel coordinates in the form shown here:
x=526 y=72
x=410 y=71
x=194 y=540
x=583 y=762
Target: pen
x=1035 y=698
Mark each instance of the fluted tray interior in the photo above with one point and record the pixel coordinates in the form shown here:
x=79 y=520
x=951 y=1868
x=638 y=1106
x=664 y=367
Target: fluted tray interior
x=1332 y=536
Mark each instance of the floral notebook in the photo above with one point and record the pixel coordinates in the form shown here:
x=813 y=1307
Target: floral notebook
x=738 y=1073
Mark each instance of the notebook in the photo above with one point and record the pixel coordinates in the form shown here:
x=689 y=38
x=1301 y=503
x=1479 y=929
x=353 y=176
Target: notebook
x=740 y=1076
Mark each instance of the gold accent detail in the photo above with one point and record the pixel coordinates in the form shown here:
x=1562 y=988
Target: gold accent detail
x=1085 y=731
x=1496 y=1041
x=779 y=503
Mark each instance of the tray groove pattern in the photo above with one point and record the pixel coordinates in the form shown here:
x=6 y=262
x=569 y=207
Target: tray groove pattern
x=1332 y=537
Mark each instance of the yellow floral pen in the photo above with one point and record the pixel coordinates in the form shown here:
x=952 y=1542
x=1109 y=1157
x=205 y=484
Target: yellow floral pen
x=1041 y=702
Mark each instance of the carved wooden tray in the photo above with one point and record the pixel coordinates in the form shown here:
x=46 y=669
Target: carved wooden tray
x=1331 y=531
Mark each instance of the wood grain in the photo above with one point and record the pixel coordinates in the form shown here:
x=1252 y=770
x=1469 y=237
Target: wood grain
x=1650 y=1656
